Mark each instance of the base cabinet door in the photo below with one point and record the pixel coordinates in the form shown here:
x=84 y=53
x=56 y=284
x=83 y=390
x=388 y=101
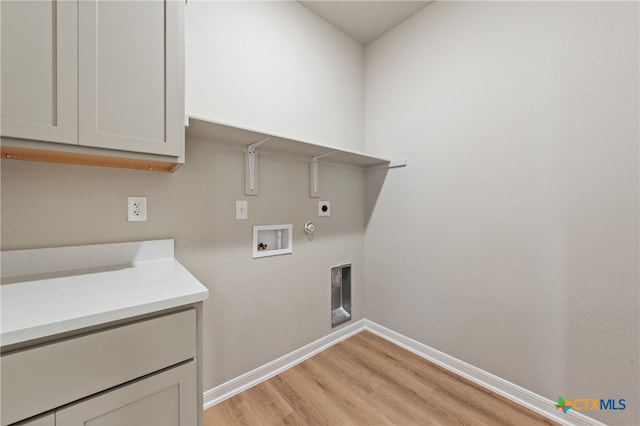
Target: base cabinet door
x=48 y=419
x=166 y=398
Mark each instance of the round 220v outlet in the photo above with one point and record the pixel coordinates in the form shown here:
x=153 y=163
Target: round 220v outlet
x=324 y=208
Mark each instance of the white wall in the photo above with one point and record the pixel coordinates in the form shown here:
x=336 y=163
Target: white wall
x=511 y=239
x=274 y=67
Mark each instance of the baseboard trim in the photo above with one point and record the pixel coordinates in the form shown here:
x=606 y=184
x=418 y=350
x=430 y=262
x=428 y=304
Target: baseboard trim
x=491 y=382
x=241 y=383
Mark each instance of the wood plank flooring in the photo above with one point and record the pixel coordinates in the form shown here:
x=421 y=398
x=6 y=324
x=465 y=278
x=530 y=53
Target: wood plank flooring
x=366 y=380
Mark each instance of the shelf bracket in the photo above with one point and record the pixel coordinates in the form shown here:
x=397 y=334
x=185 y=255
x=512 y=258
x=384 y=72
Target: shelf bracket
x=314 y=191
x=251 y=186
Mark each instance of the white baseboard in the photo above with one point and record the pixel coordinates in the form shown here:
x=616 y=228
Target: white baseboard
x=495 y=384
x=241 y=383
x=483 y=378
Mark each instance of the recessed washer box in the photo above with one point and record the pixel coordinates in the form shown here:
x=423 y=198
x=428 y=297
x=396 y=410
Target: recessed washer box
x=272 y=240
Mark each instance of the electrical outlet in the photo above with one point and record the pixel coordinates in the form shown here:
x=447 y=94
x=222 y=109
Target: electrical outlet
x=324 y=208
x=137 y=209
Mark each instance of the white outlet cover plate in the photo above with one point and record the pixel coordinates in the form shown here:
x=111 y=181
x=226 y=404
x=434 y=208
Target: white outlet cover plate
x=324 y=212
x=137 y=209
x=242 y=210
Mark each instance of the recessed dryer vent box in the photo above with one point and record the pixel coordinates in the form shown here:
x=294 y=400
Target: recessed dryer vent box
x=340 y=294
x=272 y=240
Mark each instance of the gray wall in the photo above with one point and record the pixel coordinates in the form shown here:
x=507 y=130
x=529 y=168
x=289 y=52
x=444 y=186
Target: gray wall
x=258 y=309
x=511 y=239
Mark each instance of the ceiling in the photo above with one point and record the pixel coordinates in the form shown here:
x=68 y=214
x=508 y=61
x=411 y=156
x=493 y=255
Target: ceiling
x=362 y=19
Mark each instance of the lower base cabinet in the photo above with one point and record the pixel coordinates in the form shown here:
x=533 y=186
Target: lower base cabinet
x=48 y=419
x=166 y=398
x=140 y=373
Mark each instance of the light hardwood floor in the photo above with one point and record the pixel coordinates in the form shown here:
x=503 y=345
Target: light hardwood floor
x=366 y=380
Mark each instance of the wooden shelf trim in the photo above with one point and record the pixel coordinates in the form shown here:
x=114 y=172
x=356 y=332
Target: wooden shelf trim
x=27 y=154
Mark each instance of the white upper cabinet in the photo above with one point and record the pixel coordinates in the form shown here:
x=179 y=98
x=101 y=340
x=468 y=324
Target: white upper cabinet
x=130 y=75
x=39 y=70
x=104 y=74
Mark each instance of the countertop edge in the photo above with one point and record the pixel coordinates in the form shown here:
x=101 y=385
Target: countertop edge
x=101 y=318
x=144 y=261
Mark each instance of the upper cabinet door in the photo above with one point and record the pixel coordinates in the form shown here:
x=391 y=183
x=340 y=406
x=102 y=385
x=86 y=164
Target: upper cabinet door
x=39 y=70
x=131 y=68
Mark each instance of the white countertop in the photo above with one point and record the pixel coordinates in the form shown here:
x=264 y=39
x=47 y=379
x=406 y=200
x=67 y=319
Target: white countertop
x=47 y=292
